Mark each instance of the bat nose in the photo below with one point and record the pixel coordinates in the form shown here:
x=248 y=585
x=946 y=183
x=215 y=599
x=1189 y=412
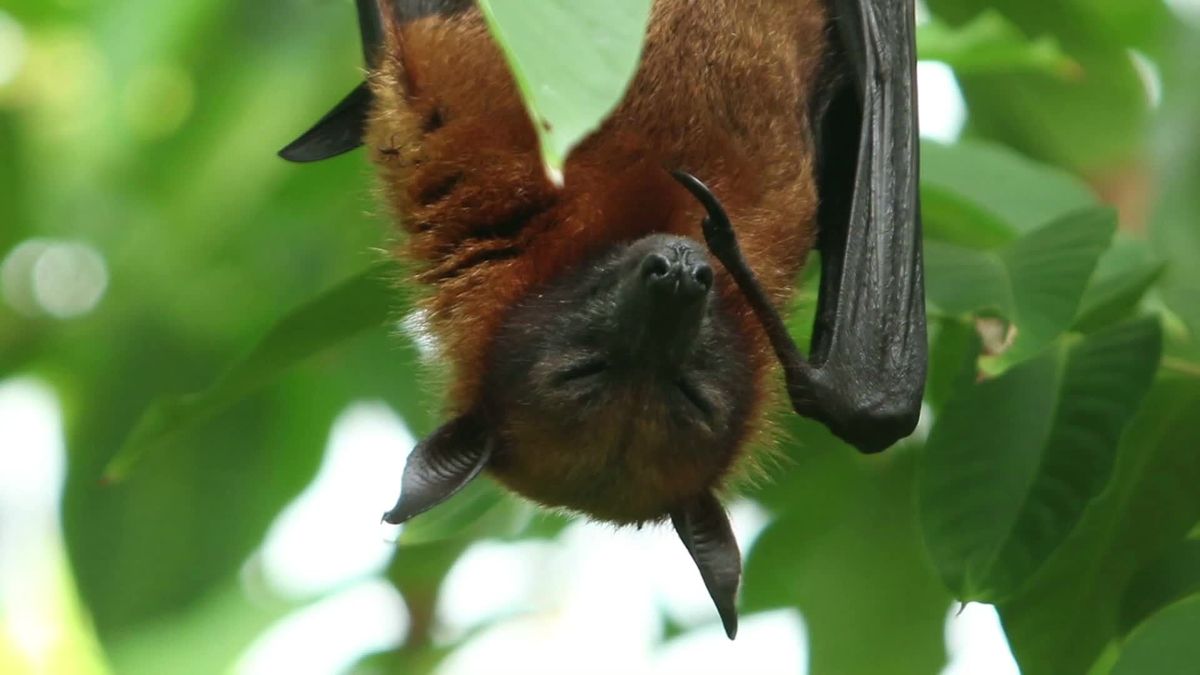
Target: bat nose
x=663 y=300
x=674 y=273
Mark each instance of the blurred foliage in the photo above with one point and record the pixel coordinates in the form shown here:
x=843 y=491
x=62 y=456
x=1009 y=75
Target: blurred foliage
x=1058 y=478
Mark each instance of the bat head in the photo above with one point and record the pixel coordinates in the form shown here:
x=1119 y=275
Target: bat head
x=620 y=388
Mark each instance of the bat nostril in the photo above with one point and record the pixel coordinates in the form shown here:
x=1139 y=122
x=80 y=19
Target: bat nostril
x=672 y=274
x=703 y=274
x=655 y=267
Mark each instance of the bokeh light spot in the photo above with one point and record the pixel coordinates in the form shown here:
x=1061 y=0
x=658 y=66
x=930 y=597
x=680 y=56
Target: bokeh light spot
x=66 y=88
x=1188 y=10
x=158 y=101
x=16 y=275
x=330 y=535
x=330 y=635
x=12 y=48
x=64 y=279
x=69 y=279
x=942 y=112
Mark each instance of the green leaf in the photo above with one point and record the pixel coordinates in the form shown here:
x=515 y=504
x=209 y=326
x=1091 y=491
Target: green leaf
x=1068 y=615
x=1171 y=578
x=963 y=281
x=1124 y=275
x=991 y=43
x=1091 y=122
x=994 y=506
x=572 y=62
x=359 y=304
x=953 y=360
x=195 y=513
x=985 y=195
x=1050 y=269
x=845 y=551
x=1173 y=229
x=1167 y=644
x=1037 y=282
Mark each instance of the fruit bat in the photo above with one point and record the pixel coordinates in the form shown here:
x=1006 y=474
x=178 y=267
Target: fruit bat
x=612 y=341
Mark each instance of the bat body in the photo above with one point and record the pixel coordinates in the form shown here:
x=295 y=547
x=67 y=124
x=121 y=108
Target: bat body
x=461 y=169
x=612 y=341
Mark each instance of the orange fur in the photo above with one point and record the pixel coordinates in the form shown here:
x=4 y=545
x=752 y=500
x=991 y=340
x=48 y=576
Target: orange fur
x=722 y=92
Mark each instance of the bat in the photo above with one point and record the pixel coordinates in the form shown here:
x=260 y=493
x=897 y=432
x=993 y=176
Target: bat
x=612 y=341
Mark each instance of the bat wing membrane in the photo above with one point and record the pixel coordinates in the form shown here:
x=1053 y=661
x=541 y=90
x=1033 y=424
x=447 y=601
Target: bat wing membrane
x=869 y=349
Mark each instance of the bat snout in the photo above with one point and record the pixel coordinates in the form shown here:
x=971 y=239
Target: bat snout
x=675 y=275
x=664 y=297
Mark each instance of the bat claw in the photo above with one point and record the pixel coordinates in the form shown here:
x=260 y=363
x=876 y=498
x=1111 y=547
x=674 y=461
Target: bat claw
x=717 y=228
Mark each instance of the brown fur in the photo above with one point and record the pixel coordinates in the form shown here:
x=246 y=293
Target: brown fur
x=722 y=93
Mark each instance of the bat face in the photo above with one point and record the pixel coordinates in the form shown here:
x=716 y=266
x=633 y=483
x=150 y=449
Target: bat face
x=622 y=388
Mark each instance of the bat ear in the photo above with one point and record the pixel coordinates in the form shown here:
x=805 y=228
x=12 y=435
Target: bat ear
x=342 y=129
x=376 y=25
x=440 y=466
x=704 y=529
x=339 y=131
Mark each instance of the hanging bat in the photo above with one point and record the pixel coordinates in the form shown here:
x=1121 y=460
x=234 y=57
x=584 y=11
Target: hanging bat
x=612 y=341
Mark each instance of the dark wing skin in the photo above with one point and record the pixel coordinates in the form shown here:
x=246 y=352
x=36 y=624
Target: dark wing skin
x=342 y=129
x=869 y=348
x=866 y=375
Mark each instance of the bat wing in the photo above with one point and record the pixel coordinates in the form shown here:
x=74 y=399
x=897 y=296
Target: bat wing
x=869 y=349
x=342 y=129
x=866 y=374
